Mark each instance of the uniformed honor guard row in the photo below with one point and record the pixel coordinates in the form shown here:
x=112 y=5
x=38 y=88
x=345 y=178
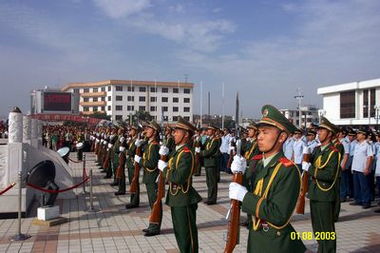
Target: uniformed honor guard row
x=279 y=163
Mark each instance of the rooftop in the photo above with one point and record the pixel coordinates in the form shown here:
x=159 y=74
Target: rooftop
x=349 y=86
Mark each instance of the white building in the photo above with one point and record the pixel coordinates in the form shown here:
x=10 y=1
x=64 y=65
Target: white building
x=355 y=103
x=309 y=114
x=122 y=98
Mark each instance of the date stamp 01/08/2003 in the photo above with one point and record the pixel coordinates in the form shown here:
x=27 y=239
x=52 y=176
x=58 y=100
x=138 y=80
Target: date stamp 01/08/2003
x=318 y=236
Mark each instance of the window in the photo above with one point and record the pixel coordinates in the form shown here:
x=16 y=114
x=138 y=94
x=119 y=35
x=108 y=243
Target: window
x=347 y=104
x=119 y=108
x=141 y=108
x=94 y=89
x=119 y=98
x=153 y=89
x=85 y=108
x=109 y=98
x=165 y=108
x=119 y=117
x=131 y=98
x=175 y=118
x=187 y=118
x=103 y=98
x=131 y=88
x=186 y=100
x=95 y=99
x=119 y=88
x=109 y=88
x=141 y=99
x=76 y=90
x=130 y=108
x=365 y=103
x=165 y=90
x=109 y=108
x=103 y=89
x=372 y=102
x=103 y=108
x=175 y=90
x=95 y=109
x=187 y=91
x=153 y=99
x=175 y=100
x=186 y=109
x=142 y=89
x=164 y=99
x=152 y=108
x=85 y=99
x=175 y=109
x=86 y=90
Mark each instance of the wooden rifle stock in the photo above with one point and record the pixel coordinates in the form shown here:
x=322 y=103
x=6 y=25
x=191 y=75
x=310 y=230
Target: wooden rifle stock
x=300 y=207
x=234 y=220
x=120 y=167
x=135 y=180
x=156 y=213
x=106 y=160
x=197 y=155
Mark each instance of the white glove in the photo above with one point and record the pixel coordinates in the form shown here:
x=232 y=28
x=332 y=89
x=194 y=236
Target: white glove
x=137 y=158
x=105 y=142
x=121 y=149
x=231 y=148
x=239 y=164
x=163 y=150
x=122 y=139
x=237 y=191
x=197 y=150
x=305 y=166
x=109 y=145
x=162 y=165
x=306 y=150
x=97 y=141
x=139 y=142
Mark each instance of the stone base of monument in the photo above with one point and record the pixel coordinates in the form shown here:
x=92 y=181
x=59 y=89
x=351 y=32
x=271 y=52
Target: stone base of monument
x=48 y=216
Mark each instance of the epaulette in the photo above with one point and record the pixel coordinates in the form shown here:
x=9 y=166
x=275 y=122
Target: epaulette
x=186 y=150
x=333 y=148
x=257 y=157
x=286 y=162
x=155 y=142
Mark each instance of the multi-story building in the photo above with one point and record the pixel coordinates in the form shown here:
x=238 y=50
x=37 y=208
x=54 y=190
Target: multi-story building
x=122 y=98
x=356 y=103
x=309 y=114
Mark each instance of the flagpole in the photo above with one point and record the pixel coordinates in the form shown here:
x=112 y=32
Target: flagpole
x=223 y=105
x=155 y=90
x=201 y=100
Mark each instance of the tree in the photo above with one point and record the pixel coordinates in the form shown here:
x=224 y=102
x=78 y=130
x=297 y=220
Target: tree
x=100 y=115
x=142 y=116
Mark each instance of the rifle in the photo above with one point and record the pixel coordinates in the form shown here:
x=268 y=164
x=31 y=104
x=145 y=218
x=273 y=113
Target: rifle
x=231 y=157
x=300 y=207
x=234 y=212
x=120 y=167
x=156 y=213
x=197 y=156
x=135 y=180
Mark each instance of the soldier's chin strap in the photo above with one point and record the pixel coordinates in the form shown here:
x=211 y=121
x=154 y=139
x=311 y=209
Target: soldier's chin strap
x=275 y=142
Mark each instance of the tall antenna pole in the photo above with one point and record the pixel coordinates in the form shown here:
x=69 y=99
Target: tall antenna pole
x=222 y=105
x=299 y=97
x=156 y=92
x=208 y=111
x=237 y=115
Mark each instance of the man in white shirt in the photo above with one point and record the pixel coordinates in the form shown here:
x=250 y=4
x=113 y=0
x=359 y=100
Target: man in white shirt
x=298 y=147
x=361 y=167
x=288 y=147
x=225 y=149
x=345 y=174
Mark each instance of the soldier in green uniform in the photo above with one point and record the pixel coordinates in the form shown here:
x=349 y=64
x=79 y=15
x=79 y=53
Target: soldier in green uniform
x=116 y=135
x=120 y=170
x=276 y=188
x=130 y=154
x=169 y=140
x=182 y=197
x=323 y=189
x=209 y=154
x=149 y=162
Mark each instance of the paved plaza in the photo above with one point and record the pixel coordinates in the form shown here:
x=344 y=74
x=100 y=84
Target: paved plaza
x=115 y=229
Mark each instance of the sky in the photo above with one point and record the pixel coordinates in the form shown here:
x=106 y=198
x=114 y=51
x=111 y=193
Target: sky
x=263 y=49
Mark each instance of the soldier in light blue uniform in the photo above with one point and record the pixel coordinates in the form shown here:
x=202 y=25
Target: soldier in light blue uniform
x=345 y=173
x=288 y=147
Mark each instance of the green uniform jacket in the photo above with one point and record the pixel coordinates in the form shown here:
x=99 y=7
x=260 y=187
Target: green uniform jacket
x=149 y=162
x=130 y=154
x=179 y=175
x=170 y=144
x=211 y=152
x=276 y=208
x=326 y=176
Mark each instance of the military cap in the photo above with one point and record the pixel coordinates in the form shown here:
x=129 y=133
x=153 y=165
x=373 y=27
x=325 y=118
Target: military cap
x=326 y=124
x=311 y=132
x=184 y=124
x=273 y=117
x=351 y=132
x=210 y=126
x=363 y=130
x=297 y=131
x=153 y=124
x=252 y=125
x=134 y=127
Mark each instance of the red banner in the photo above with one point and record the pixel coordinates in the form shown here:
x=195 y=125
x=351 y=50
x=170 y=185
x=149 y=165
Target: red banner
x=66 y=117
